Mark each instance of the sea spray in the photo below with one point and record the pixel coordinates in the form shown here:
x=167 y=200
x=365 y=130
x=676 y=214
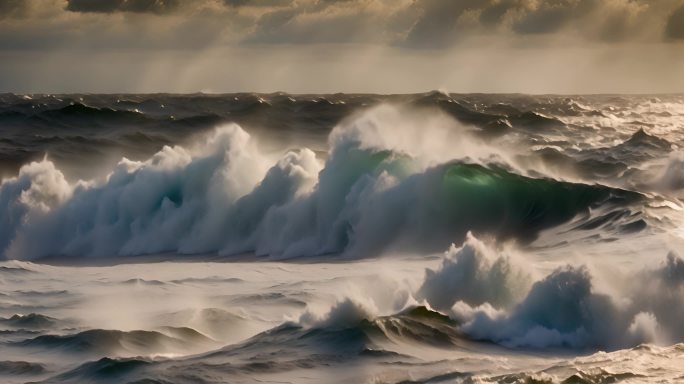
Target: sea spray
x=227 y=197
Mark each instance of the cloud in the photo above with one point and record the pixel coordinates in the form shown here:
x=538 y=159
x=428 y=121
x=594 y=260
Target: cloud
x=551 y=16
x=12 y=8
x=438 y=21
x=599 y=20
x=347 y=21
x=441 y=24
x=423 y=24
x=257 y=3
x=675 y=24
x=111 y=6
x=459 y=42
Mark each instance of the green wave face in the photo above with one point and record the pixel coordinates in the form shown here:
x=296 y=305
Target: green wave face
x=495 y=200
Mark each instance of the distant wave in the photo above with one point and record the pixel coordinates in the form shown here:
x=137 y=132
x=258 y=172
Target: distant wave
x=122 y=343
x=496 y=119
x=30 y=321
x=21 y=368
x=81 y=110
x=75 y=113
x=378 y=189
x=105 y=369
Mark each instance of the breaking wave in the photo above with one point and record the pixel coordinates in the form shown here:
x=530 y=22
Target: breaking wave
x=379 y=188
x=493 y=299
x=481 y=294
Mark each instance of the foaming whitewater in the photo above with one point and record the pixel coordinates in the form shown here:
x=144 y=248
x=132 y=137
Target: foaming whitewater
x=341 y=238
x=381 y=185
x=561 y=309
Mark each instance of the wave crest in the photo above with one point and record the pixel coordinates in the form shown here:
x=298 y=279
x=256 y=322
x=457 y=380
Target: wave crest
x=378 y=190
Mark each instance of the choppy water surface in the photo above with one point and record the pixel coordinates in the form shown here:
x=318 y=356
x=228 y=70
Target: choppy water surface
x=341 y=238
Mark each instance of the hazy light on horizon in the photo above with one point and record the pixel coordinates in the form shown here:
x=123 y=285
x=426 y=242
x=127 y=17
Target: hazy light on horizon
x=552 y=46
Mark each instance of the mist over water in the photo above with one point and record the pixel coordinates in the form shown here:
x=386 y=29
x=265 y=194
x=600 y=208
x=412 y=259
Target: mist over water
x=347 y=238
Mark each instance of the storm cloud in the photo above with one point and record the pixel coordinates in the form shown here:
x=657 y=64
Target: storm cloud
x=675 y=24
x=12 y=8
x=411 y=23
x=108 y=6
x=612 y=36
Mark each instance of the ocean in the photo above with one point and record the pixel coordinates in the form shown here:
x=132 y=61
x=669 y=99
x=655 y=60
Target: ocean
x=351 y=238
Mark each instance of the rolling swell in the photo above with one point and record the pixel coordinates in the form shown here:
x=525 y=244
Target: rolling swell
x=294 y=347
x=285 y=348
x=30 y=321
x=290 y=347
x=118 y=343
x=79 y=111
x=370 y=196
x=344 y=336
x=20 y=368
x=640 y=146
x=107 y=369
x=417 y=325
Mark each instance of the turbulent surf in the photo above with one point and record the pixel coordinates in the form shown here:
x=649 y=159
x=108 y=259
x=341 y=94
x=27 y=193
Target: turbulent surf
x=351 y=238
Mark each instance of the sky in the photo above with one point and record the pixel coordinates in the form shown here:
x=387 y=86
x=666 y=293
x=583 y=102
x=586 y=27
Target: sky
x=327 y=46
